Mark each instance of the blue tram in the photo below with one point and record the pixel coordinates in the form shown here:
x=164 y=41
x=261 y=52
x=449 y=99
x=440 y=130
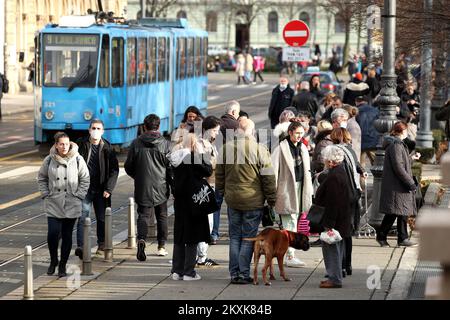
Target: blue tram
x=118 y=73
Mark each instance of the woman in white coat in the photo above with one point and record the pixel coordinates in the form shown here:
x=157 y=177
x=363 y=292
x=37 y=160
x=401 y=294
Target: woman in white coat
x=291 y=165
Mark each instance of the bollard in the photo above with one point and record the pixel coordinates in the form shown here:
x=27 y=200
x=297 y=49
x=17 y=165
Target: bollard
x=131 y=226
x=87 y=262
x=108 y=235
x=28 y=283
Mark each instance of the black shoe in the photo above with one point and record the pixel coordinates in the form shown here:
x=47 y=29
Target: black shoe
x=239 y=280
x=79 y=253
x=407 y=243
x=349 y=271
x=62 y=270
x=248 y=279
x=383 y=243
x=141 y=251
x=51 y=268
x=344 y=273
x=316 y=243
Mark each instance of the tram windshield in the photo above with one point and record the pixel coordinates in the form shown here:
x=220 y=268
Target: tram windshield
x=70 y=60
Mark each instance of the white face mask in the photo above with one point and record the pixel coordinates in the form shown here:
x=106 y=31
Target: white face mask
x=96 y=134
x=343 y=124
x=283 y=87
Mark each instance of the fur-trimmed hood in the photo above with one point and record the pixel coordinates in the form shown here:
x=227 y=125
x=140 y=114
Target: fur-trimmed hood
x=280 y=129
x=357 y=86
x=73 y=152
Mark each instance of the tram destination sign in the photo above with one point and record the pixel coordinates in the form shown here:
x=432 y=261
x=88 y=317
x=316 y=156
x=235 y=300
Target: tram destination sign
x=78 y=42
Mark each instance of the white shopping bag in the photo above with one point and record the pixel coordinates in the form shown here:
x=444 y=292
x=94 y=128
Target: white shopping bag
x=331 y=236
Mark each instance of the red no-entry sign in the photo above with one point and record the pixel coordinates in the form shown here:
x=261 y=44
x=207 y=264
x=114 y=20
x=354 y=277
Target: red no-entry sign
x=296 y=33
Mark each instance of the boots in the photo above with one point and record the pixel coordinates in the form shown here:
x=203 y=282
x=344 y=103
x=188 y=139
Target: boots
x=62 y=270
x=52 y=267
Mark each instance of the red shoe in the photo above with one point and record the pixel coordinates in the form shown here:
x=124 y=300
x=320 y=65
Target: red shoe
x=327 y=284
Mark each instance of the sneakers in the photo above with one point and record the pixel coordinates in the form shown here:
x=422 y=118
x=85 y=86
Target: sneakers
x=407 y=243
x=176 y=276
x=240 y=280
x=294 y=263
x=141 y=250
x=194 y=278
x=79 y=252
x=207 y=263
x=162 y=252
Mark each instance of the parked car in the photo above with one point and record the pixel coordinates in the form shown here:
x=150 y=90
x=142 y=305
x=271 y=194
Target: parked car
x=328 y=81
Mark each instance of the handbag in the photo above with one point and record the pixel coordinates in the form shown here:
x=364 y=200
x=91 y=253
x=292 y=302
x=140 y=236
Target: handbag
x=203 y=198
x=315 y=217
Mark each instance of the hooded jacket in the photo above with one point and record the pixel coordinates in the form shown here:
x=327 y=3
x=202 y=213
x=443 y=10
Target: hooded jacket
x=63 y=183
x=148 y=165
x=397 y=184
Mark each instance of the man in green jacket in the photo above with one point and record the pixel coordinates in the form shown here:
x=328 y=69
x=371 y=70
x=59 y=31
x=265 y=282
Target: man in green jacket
x=244 y=175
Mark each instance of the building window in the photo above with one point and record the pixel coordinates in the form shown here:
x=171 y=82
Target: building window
x=211 y=21
x=273 y=22
x=339 y=25
x=304 y=16
x=181 y=14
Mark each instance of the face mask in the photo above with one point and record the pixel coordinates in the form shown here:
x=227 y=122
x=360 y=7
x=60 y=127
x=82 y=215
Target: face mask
x=283 y=87
x=96 y=134
x=343 y=124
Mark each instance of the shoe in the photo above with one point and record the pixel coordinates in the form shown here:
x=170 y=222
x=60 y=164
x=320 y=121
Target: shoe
x=316 y=243
x=208 y=263
x=141 y=250
x=51 y=268
x=62 y=270
x=327 y=284
x=349 y=271
x=383 y=243
x=100 y=249
x=294 y=263
x=194 y=278
x=407 y=243
x=248 y=279
x=212 y=242
x=239 y=280
x=162 y=252
x=79 y=253
x=176 y=276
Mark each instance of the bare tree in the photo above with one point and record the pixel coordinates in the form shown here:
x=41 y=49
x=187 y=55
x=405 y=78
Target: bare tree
x=158 y=8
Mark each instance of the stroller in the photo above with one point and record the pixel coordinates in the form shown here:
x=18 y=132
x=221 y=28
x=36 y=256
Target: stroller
x=365 y=229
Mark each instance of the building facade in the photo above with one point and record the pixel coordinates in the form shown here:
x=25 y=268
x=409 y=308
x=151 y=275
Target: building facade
x=23 y=18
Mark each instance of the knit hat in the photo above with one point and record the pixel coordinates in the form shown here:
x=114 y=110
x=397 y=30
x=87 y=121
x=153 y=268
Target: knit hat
x=359 y=76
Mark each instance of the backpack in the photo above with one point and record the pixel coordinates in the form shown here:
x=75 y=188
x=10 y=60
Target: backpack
x=5 y=87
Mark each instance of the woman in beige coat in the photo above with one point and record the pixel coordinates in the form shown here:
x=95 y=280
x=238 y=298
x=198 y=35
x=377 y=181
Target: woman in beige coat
x=291 y=165
x=240 y=68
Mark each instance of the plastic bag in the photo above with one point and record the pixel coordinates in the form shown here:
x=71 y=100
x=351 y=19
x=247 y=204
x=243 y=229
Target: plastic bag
x=331 y=236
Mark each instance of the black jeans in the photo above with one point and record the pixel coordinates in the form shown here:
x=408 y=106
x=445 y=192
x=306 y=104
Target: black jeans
x=99 y=203
x=258 y=73
x=144 y=215
x=56 y=228
x=347 y=257
x=184 y=259
x=386 y=225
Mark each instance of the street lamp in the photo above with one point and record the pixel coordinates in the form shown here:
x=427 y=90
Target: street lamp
x=388 y=100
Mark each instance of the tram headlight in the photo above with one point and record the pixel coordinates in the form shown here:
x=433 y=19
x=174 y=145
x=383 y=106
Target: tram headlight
x=87 y=115
x=49 y=115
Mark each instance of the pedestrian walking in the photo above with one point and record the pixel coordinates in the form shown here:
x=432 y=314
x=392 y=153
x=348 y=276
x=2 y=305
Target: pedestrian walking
x=410 y=100
x=369 y=135
x=240 y=68
x=304 y=100
x=258 y=68
x=398 y=188
x=373 y=83
x=291 y=165
x=246 y=181
x=333 y=194
x=248 y=66
x=148 y=165
x=31 y=68
x=190 y=227
x=229 y=120
x=282 y=96
x=103 y=168
x=63 y=181
x=315 y=89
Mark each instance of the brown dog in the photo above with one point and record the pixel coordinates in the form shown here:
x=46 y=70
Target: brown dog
x=274 y=243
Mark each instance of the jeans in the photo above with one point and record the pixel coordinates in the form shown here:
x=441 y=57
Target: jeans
x=98 y=201
x=386 y=225
x=332 y=257
x=183 y=259
x=56 y=228
x=216 y=216
x=144 y=215
x=242 y=224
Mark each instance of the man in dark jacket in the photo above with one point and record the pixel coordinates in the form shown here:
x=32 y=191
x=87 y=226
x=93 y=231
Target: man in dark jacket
x=304 y=101
x=282 y=96
x=103 y=171
x=229 y=119
x=373 y=83
x=369 y=135
x=354 y=89
x=148 y=165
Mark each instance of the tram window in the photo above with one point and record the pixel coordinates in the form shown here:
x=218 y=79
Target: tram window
x=190 y=58
x=168 y=59
x=161 y=59
x=205 y=56
x=117 y=62
x=182 y=58
x=151 y=62
x=131 y=61
x=142 y=55
x=198 y=57
x=103 y=77
x=37 y=61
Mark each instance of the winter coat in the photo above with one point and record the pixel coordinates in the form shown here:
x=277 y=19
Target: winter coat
x=354 y=90
x=248 y=62
x=374 y=87
x=189 y=227
x=322 y=141
x=249 y=182
x=366 y=118
x=148 y=165
x=228 y=122
x=443 y=114
x=63 y=183
x=108 y=164
x=240 y=65
x=355 y=131
x=397 y=184
x=280 y=100
x=304 y=101
x=283 y=167
x=258 y=63
x=334 y=195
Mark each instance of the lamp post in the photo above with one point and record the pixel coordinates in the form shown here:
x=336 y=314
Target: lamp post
x=388 y=100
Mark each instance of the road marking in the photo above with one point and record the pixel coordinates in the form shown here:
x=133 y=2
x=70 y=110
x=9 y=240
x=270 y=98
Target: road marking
x=18 y=155
x=20 y=200
x=2 y=145
x=19 y=172
x=211 y=98
x=223 y=86
x=239 y=100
